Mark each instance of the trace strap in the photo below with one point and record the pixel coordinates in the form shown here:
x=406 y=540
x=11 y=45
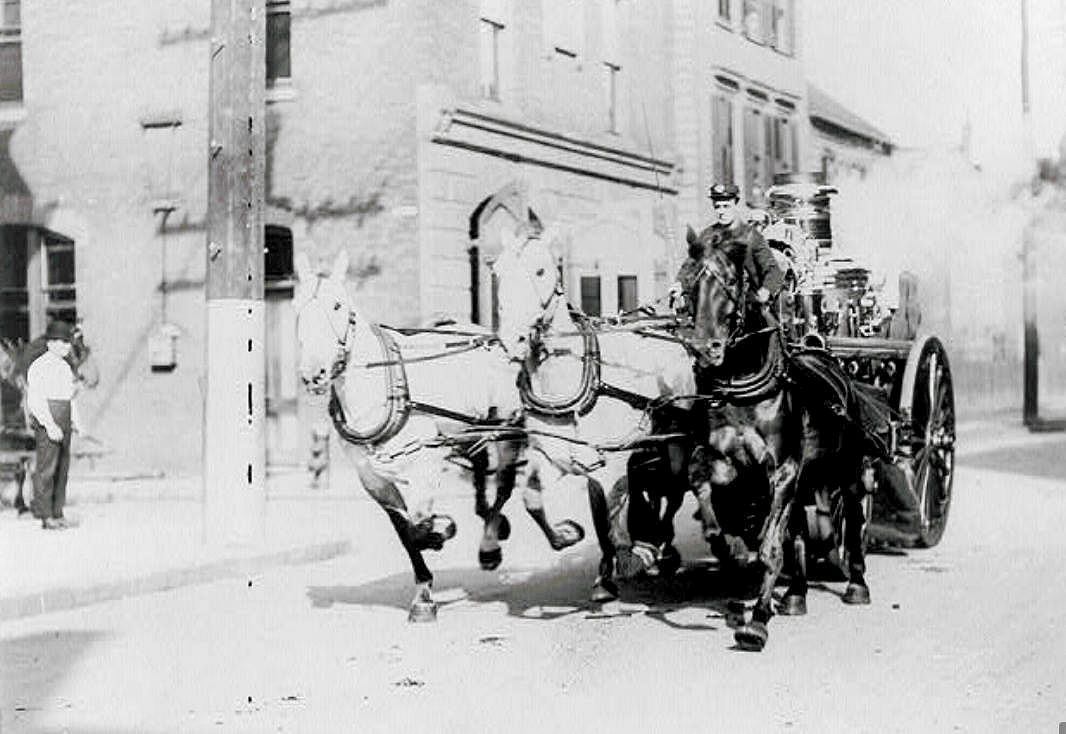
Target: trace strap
x=398 y=398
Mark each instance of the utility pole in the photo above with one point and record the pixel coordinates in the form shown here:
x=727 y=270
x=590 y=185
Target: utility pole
x=234 y=450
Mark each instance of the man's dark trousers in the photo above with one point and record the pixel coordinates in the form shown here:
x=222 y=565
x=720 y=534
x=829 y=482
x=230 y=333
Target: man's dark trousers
x=53 y=463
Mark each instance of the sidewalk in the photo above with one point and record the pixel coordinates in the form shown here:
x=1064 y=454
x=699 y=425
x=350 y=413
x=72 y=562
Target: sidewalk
x=124 y=546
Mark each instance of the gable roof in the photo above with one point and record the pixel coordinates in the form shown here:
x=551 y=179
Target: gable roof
x=823 y=107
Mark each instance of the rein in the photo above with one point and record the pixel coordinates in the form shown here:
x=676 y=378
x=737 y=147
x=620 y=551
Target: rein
x=397 y=394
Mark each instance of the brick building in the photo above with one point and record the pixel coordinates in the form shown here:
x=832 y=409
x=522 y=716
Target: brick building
x=845 y=144
x=392 y=124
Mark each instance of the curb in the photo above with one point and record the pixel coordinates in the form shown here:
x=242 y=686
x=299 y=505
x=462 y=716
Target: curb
x=62 y=599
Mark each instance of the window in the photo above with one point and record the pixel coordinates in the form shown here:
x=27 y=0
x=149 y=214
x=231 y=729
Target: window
x=10 y=52
x=14 y=293
x=722 y=140
x=753 y=146
x=278 y=22
x=782 y=35
x=564 y=27
x=278 y=270
x=58 y=283
x=590 y=295
x=489 y=37
x=612 y=96
x=752 y=21
x=725 y=11
x=627 y=293
x=784 y=145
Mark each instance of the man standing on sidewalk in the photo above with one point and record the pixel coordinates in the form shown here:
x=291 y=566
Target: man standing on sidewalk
x=50 y=388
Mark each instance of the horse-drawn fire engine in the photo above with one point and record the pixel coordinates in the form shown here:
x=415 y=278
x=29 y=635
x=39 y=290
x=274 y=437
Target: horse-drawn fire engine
x=832 y=303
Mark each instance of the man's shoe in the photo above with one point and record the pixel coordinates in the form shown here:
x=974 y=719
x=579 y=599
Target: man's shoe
x=51 y=523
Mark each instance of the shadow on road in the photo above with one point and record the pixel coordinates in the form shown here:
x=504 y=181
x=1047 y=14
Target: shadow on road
x=1045 y=461
x=562 y=590
x=33 y=668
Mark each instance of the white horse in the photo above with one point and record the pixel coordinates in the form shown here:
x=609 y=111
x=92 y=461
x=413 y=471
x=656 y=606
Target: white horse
x=394 y=397
x=593 y=391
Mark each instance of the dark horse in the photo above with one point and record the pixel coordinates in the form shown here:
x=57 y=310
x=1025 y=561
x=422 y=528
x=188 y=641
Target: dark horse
x=767 y=448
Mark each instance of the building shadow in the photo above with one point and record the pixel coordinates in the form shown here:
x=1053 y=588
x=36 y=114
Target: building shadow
x=1044 y=460
x=33 y=669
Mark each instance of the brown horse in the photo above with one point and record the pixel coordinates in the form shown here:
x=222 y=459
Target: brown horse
x=766 y=448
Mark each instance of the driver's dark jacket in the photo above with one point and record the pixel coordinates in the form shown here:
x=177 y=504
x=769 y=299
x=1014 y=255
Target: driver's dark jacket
x=739 y=240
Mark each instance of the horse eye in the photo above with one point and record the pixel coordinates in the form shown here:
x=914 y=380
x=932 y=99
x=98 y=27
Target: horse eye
x=540 y=272
x=336 y=307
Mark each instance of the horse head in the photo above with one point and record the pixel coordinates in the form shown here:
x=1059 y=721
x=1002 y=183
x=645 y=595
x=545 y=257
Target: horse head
x=82 y=360
x=530 y=290
x=719 y=297
x=324 y=316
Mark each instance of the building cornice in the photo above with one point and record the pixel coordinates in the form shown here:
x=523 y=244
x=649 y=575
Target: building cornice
x=521 y=142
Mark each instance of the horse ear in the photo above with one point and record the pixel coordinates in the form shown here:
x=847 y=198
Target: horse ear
x=303 y=268
x=339 y=272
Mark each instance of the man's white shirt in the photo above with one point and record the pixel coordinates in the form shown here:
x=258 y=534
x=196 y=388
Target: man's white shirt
x=48 y=378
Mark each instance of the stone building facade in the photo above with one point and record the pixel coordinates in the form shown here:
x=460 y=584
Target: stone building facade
x=391 y=123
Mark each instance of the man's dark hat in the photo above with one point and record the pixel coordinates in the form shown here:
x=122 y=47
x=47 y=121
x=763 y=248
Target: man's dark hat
x=724 y=192
x=59 y=330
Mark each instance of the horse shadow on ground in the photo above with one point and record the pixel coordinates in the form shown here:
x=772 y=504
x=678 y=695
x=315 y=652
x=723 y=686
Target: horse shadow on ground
x=562 y=590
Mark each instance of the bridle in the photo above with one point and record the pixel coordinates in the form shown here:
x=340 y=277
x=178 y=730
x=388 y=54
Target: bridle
x=343 y=351
x=737 y=298
x=548 y=305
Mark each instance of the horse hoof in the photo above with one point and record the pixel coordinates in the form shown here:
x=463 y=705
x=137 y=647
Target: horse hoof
x=603 y=590
x=793 y=605
x=751 y=636
x=669 y=561
x=422 y=611
x=432 y=532
x=490 y=560
x=503 y=529
x=631 y=562
x=734 y=614
x=856 y=594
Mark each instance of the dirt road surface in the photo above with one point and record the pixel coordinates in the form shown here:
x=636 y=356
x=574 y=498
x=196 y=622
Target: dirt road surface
x=968 y=636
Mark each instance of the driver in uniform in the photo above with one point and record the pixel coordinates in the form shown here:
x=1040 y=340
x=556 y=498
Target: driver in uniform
x=740 y=240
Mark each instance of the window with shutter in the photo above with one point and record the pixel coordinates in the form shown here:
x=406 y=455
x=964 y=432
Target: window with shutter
x=278 y=34
x=489 y=40
x=769 y=151
x=784 y=26
x=11 y=51
x=768 y=18
x=725 y=11
x=722 y=143
x=753 y=158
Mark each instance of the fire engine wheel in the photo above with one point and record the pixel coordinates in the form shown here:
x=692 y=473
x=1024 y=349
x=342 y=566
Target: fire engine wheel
x=933 y=423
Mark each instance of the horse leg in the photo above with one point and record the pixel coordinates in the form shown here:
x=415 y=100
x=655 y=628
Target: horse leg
x=497 y=526
x=753 y=635
x=677 y=463
x=855 y=519
x=423 y=608
x=643 y=516
x=604 y=588
x=794 y=603
x=562 y=534
x=389 y=498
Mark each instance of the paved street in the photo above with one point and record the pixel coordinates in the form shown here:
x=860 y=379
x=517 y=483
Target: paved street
x=964 y=637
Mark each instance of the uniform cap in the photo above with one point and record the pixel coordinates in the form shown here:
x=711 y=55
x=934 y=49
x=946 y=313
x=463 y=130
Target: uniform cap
x=724 y=192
